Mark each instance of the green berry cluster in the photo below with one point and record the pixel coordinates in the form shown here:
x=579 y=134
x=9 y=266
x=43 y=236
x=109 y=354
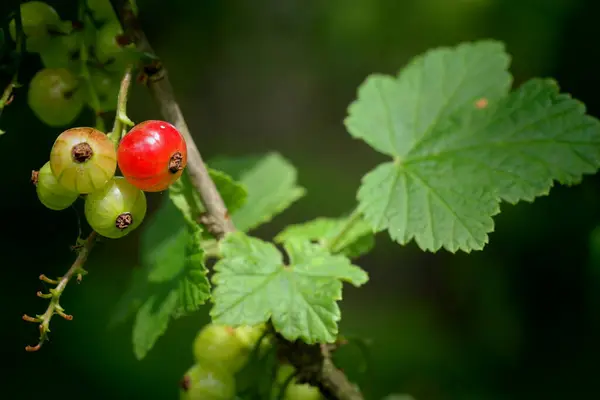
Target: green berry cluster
x=83 y=161
x=220 y=352
x=83 y=60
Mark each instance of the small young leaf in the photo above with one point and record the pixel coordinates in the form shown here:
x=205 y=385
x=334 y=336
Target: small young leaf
x=172 y=280
x=253 y=285
x=234 y=194
x=187 y=199
x=464 y=146
x=354 y=242
x=270 y=181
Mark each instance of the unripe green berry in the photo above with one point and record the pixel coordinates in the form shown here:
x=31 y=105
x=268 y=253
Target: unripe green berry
x=219 y=344
x=249 y=334
x=55 y=96
x=116 y=209
x=293 y=391
x=38 y=18
x=83 y=159
x=51 y=193
x=207 y=382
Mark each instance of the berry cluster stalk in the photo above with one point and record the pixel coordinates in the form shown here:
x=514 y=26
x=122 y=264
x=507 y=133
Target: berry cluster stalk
x=54 y=295
x=313 y=362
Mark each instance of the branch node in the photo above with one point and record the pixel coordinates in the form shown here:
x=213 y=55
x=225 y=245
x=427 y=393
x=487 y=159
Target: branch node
x=213 y=224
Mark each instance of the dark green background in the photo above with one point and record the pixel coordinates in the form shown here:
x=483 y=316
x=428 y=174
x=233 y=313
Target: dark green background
x=519 y=320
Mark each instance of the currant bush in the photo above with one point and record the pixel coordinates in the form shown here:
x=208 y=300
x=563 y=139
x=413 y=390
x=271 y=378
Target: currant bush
x=152 y=155
x=115 y=210
x=55 y=97
x=50 y=192
x=83 y=159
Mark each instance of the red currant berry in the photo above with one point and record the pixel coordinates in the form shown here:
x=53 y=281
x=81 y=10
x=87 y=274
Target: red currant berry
x=152 y=155
x=83 y=159
x=115 y=210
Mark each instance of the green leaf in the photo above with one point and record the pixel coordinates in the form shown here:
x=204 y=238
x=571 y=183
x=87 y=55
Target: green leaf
x=531 y=138
x=186 y=197
x=253 y=285
x=457 y=156
x=352 y=238
x=270 y=181
x=172 y=279
x=234 y=194
x=393 y=115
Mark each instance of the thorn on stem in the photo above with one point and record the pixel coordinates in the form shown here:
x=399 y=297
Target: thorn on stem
x=33 y=348
x=44 y=278
x=68 y=317
x=44 y=295
x=30 y=319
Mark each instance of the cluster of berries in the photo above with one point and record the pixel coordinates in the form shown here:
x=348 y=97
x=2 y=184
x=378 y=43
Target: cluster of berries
x=78 y=58
x=220 y=352
x=83 y=162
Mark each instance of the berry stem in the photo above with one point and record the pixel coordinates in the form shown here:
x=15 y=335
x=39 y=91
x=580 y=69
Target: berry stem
x=54 y=308
x=14 y=82
x=346 y=228
x=312 y=361
x=85 y=71
x=121 y=119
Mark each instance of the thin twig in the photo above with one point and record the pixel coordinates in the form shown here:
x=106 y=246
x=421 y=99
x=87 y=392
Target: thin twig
x=320 y=371
x=54 y=308
x=157 y=80
x=85 y=71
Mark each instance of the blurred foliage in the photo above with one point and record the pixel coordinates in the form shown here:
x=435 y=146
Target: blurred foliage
x=519 y=320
